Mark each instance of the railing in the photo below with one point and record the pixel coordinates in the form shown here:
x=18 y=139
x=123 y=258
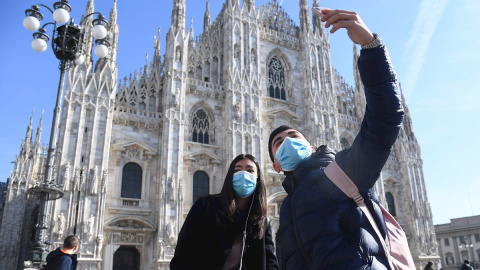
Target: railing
x=130 y=203
x=204 y=84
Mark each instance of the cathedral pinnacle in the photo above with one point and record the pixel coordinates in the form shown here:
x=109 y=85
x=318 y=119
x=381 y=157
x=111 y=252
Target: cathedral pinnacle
x=38 y=136
x=178 y=16
x=207 y=18
x=28 y=136
x=304 y=16
x=250 y=4
x=191 y=27
x=157 y=44
x=317 y=23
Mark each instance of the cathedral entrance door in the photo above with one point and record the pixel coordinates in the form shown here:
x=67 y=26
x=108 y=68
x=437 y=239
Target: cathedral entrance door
x=126 y=258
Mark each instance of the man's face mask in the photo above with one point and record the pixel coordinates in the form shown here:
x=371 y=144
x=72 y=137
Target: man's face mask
x=292 y=152
x=244 y=183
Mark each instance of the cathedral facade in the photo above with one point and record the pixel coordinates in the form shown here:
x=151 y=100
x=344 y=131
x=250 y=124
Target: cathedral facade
x=133 y=155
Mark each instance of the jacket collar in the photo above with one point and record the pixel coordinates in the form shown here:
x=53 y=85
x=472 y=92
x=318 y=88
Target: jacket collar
x=320 y=158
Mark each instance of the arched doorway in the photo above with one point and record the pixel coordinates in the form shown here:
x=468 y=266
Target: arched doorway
x=126 y=258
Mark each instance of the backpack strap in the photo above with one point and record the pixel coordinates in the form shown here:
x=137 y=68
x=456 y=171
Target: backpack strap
x=345 y=184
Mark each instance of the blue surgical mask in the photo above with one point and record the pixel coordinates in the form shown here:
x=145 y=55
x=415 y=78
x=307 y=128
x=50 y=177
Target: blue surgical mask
x=244 y=183
x=292 y=152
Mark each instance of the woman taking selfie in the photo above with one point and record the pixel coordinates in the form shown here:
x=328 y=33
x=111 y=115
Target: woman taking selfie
x=229 y=230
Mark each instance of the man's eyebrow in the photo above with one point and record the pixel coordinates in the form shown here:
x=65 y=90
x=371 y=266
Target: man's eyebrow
x=293 y=132
x=278 y=138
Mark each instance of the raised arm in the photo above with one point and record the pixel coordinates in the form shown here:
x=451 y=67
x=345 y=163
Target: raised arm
x=364 y=160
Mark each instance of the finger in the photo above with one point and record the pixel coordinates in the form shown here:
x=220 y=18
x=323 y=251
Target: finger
x=320 y=11
x=340 y=24
x=352 y=16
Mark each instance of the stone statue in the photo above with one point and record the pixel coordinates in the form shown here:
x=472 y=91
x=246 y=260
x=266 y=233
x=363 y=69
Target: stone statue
x=94 y=183
x=61 y=225
x=104 y=181
x=162 y=188
x=180 y=190
x=178 y=54
x=172 y=187
x=89 y=230
x=66 y=177
x=76 y=179
x=161 y=249
x=99 y=245
x=171 y=233
x=83 y=178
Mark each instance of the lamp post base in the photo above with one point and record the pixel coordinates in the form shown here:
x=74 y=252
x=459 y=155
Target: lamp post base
x=37 y=254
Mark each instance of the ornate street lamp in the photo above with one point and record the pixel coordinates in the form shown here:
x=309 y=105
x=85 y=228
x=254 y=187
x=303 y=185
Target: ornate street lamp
x=66 y=42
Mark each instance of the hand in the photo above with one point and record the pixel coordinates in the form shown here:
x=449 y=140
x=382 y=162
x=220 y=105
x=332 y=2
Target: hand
x=357 y=31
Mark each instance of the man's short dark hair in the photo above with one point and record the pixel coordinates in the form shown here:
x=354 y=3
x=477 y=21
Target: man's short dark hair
x=275 y=133
x=71 y=241
x=466 y=261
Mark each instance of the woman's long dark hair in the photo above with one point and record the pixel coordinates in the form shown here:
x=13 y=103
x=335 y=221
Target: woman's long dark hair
x=228 y=206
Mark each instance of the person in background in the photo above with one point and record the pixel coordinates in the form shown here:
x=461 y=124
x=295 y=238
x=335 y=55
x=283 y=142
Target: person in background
x=229 y=230
x=429 y=266
x=64 y=258
x=466 y=265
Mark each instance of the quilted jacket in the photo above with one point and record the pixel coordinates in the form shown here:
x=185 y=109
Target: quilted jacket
x=320 y=227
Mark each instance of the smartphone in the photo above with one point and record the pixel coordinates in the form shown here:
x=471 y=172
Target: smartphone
x=318 y=11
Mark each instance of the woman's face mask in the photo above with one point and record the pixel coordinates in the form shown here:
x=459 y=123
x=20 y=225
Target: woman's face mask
x=244 y=183
x=292 y=152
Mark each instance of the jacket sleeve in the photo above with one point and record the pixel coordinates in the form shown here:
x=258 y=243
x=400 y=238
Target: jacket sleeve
x=364 y=160
x=271 y=259
x=188 y=239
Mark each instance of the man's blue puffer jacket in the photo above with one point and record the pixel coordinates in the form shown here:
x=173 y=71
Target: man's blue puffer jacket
x=320 y=227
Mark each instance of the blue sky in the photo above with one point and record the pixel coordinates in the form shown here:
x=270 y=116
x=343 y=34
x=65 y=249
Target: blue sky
x=433 y=44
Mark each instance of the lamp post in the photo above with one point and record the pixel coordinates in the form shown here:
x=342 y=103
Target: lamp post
x=464 y=243
x=66 y=42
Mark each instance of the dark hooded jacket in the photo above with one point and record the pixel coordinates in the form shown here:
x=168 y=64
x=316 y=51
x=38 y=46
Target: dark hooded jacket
x=57 y=260
x=320 y=227
x=202 y=244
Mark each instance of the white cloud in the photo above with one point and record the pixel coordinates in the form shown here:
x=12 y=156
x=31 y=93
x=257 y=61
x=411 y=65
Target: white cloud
x=417 y=45
x=281 y=2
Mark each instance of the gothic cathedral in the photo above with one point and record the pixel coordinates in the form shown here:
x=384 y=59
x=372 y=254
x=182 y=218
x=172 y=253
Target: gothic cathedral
x=134 y=155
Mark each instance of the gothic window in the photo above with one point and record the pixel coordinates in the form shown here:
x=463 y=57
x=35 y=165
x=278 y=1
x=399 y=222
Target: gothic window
x=200 y=185
x=207 y=71
x=477 y=237
x=132 y=181
x=391 y=204
x=345 y=144
x=200 y=127
x=276 y=79
x=199 y=73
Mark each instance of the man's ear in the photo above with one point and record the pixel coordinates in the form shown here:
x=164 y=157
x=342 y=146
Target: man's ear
x=276 y=167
